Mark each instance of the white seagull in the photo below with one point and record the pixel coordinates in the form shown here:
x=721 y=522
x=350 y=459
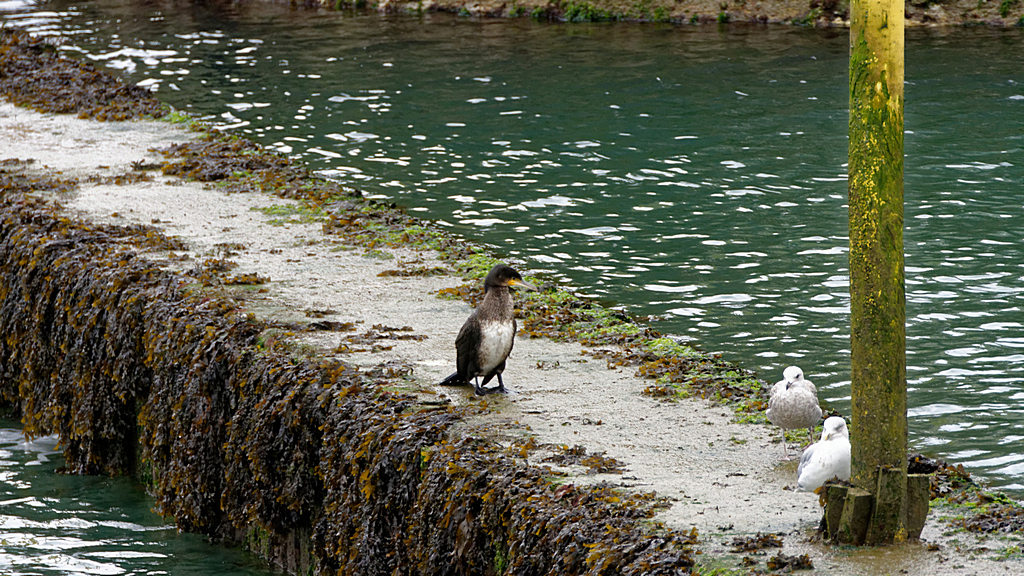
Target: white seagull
x=826 y=458
x=793 y=404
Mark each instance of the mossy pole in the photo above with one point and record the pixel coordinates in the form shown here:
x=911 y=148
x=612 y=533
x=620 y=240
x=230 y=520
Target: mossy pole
x=877 y=302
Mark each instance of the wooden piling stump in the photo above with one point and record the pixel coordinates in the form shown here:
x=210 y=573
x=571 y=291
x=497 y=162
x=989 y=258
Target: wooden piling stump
x=917 y=504
x=835 y=499
x=890 y=510
x=856 y=514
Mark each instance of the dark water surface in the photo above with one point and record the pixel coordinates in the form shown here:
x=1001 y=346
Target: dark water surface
x=53 y=524
x=695 y=174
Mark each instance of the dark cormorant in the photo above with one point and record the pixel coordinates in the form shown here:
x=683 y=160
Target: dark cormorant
x=486 y=339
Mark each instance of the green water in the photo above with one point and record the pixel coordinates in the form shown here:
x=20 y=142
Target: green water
x=692 y=174
x=53 y=523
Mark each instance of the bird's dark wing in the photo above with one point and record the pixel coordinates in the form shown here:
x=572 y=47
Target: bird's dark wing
x=467 y=347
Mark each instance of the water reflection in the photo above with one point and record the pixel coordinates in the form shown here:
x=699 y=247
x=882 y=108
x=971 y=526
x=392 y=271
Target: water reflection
x=695 y=175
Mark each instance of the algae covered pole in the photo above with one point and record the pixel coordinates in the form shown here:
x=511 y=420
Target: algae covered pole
x=877 y=307
x=876 y=510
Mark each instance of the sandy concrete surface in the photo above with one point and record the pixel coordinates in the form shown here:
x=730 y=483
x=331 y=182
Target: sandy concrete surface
x=726 y=479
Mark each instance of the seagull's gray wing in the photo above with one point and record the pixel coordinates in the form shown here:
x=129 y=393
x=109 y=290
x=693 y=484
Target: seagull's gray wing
x=805 y=458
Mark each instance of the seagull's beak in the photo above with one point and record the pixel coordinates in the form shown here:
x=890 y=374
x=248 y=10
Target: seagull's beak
x=522 y=284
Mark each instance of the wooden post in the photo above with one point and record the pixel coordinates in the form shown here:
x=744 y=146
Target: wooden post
x=877 y=303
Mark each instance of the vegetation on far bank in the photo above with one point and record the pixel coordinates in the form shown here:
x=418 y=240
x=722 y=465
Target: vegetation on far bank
x=821 y=13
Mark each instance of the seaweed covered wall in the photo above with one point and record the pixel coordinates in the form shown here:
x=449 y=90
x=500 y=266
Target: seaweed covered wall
x=141 y=371
x=33 y=74
x=312 y=463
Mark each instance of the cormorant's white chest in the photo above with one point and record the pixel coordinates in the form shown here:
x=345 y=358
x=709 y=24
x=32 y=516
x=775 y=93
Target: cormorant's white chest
x=495 y=344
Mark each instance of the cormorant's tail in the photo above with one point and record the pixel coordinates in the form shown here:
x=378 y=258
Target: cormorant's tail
x=453 y=380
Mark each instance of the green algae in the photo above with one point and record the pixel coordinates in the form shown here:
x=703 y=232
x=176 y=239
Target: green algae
x=281 y=214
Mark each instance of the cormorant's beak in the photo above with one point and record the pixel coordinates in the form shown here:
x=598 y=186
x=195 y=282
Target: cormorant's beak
x=522 y=284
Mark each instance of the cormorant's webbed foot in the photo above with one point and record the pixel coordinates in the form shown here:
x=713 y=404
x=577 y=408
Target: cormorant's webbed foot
x=483 y=391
